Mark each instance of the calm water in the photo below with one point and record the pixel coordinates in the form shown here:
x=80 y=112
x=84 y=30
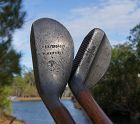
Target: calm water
x=34 y=112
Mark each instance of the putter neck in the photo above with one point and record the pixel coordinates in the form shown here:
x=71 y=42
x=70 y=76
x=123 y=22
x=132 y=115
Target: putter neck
x=76 y=85
x=58 y=111
x=61 y=115
x=93 y=110
x=86 y=100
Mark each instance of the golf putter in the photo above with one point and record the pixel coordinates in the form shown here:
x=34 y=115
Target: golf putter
x=52 y=54
x=90 y=64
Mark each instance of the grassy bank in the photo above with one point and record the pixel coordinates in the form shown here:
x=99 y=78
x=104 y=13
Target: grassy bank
x=34 y=98
x=8 y=119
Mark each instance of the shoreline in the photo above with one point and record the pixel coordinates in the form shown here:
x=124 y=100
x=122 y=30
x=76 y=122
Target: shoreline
x=33 y=98
x=9 y=119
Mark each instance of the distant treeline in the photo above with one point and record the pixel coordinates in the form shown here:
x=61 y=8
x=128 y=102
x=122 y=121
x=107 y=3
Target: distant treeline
x=24 y=86
x=118 y=92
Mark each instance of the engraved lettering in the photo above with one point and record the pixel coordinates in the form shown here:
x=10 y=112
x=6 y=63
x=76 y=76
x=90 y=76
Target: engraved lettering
x=90 y=53
x=49 y=53
x=53 y=46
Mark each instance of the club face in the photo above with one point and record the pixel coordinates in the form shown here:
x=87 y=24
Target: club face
x=92 y=59
x=52 y=53
x=100 y=64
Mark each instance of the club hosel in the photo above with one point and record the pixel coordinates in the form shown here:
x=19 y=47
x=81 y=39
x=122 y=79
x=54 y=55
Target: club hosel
x=52 y=101
x=95 y=113
x=58 y=111
x=61 y=115
x=86 y=100
x=76 y=85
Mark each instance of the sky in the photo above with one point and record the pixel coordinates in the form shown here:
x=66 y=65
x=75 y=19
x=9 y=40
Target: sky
x=115 y=17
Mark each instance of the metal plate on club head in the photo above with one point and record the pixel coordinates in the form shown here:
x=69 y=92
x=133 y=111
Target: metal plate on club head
x=100 y=64
x=52 y=54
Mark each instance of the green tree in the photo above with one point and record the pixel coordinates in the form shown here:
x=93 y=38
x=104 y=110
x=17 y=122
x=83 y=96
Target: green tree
x=119 y=91
x=24 y=86
x=11 y=18
x=134 y=38
x=29 y=78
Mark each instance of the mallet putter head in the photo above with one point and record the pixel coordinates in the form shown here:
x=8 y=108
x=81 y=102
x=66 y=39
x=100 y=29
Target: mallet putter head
x=52 y=53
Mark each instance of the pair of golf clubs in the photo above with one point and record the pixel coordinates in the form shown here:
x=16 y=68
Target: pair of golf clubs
x=53 y=52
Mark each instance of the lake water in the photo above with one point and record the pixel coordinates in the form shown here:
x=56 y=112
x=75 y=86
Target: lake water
x=35 y=112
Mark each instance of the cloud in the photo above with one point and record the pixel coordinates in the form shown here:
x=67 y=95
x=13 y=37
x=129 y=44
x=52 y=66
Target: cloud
x=115 y=17
x=116 y=42
x=110 y=15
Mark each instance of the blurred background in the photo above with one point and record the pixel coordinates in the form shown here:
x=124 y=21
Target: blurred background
x=118 y=92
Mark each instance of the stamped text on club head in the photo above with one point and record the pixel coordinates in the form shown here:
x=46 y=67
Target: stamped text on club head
x=52 y=51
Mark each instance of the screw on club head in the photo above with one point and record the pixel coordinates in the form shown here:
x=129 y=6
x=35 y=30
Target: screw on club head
x=52 y=54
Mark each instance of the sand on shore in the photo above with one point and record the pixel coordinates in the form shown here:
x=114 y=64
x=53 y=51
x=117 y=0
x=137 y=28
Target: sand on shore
x=33 y=98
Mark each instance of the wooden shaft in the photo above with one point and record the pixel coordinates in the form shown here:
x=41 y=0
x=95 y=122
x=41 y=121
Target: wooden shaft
x=61 y=116
x=93 y=110
x=58 y=111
